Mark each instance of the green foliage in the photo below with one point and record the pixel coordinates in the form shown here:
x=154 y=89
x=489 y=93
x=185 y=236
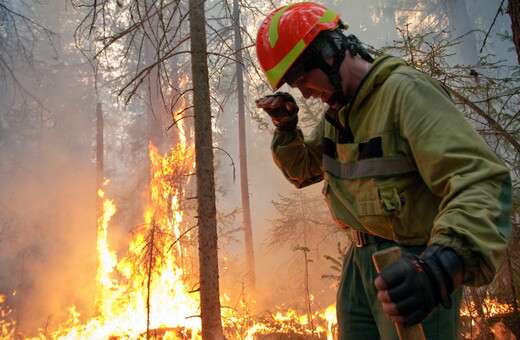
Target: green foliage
x=336 y=263
x=301 y=248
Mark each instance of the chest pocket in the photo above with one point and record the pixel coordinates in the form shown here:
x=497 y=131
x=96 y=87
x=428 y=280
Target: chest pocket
x=378 y=209
x=379 y=201
x=372 y=180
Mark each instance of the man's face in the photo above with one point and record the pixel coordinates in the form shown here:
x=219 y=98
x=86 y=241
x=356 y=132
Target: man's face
x=314 y=83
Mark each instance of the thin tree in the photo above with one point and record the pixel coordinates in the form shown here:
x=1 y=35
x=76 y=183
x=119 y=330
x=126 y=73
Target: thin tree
x=303 y=233
x=206 y=210
x=100 y=153
x=244 y=185
x=155 y=106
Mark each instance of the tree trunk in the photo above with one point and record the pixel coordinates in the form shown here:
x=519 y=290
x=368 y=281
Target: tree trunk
x=244 y=188
x=207 y=221
x=100 y=123
x=154 y=100
x=305 y=222
x=150 y=259
x=514 y=12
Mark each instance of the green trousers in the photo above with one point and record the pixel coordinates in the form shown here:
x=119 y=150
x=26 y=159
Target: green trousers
x=360 y=314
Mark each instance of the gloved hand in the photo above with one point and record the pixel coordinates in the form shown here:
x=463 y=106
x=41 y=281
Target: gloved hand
x=282 y=109
x=411 y=287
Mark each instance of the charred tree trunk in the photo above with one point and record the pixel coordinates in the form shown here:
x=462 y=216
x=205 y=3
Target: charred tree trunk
x=207 y=219
x=513 y=9
x=244 y=182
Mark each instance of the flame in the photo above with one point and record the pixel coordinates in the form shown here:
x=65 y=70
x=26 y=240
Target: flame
x=472 y=326
x=490 y=307
x=289 y=321
x=7 y=324
x=330 y=316
x=179 y=123
x=147 y=293
x=106 y=258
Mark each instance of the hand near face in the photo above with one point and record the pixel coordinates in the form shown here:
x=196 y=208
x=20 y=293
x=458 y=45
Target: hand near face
x=282 y=109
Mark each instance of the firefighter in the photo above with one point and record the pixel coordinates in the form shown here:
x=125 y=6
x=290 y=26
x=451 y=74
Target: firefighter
x=399 y=164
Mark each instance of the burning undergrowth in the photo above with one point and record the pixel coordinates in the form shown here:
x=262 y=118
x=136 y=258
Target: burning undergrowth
x=151 y=291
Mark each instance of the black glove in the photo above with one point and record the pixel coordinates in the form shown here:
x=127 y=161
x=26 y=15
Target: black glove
x=285 y=114
x=417 y=284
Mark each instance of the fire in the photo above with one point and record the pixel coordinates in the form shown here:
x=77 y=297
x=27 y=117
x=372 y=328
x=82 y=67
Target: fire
x=290 y=322
x=145 y=292
x=106 y=258
x=490 y=308
x=179 y=122
x=330 y=316
x=148 y=293
x=7 y=326
x=474 y=327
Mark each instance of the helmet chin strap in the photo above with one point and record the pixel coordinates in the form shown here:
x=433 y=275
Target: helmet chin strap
x=355 y=47
x=334 y=43
x=338 y=97
x=339 y=44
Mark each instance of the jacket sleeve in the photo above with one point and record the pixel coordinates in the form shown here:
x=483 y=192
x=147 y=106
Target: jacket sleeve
x=458 y=166
x=299 y=157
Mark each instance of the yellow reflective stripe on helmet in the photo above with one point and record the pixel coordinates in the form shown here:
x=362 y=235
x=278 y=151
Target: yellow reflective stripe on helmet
x=273 y=26
x=329 y=15
x=274 y=74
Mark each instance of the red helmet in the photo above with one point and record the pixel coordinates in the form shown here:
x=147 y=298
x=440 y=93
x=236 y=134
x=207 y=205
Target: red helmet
x=286 y=33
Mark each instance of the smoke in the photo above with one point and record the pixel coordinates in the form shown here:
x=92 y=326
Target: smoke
x=48 y=238
x=47 y=201
x=47 y=175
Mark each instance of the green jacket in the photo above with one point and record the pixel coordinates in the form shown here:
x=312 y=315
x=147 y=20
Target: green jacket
x=407 y=167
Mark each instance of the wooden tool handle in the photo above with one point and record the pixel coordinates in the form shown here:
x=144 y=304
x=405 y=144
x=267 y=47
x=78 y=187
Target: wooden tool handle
x=381 y=259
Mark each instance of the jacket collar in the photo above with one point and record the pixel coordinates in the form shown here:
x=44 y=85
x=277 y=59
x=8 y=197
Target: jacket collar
x=381 y=69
